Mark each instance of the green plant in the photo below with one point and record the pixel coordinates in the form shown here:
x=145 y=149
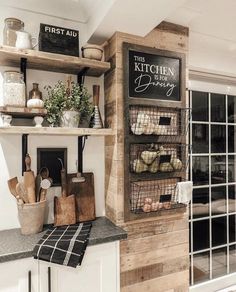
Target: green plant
x=60 y=98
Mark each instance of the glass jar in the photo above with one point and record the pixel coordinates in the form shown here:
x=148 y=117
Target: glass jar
x=9 y=32
x=13 y=89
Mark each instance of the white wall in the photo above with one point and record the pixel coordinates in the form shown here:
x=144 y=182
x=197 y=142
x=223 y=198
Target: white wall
x=212 y=54
x=10 y=146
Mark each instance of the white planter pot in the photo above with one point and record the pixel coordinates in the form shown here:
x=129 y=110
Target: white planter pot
x=70 y=119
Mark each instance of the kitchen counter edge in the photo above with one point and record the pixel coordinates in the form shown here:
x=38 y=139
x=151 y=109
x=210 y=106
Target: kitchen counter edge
x=14 y=246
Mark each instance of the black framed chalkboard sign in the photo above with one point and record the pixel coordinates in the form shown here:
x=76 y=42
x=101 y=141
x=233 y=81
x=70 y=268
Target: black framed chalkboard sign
x=154 y=74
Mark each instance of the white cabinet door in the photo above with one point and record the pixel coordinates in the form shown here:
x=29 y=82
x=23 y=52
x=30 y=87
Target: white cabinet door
x=99 y=272
x=14 y=276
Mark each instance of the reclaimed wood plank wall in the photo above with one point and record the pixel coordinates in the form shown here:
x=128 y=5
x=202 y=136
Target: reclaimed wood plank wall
x=155 y=256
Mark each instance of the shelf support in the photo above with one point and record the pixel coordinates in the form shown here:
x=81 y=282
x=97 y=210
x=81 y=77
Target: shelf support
x=81 y=75
x=24 y=150
x=23 y=67
x=81 y=145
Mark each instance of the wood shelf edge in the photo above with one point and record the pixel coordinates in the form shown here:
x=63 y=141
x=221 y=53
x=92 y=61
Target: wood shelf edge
x=56 y=131
x=10 y=56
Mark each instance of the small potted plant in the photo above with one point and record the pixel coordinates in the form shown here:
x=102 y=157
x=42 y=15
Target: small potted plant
x=67 y=105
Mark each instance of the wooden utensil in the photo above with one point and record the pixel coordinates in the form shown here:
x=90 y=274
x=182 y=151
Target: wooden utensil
x=64 y=207
x=38 y=180
x=22 y=192
x=45 y=185
x=29 y=180
x=84 y=196
x=12 y=185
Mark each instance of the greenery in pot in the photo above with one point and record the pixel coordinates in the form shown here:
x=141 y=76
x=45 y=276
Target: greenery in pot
x=61 y=98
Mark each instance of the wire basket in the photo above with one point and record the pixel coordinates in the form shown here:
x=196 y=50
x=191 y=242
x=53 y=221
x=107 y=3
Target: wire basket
x=153 y=195
x=158 y=158
x=160 y=121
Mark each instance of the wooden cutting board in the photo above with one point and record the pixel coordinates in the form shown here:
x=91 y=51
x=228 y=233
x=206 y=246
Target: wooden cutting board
x=84 y=196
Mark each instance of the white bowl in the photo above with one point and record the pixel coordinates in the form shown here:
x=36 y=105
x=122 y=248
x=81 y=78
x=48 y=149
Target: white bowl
x=92 y=52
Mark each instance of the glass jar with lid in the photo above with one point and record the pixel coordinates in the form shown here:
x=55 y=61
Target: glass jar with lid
x=9 y=32
x=13 y=89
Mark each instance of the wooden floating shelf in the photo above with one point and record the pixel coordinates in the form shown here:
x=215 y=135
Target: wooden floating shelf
x=22 y=112
x=56 y=131
x=11 y=56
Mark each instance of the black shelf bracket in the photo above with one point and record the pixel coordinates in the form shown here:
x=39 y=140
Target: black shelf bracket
x=81 y=145
x=81 y=139
x=81 y=75
x=24 y=150
x=23 y=67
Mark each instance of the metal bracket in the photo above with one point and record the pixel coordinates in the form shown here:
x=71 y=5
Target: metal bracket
x=81 y=145
x=24 y=151
x=23 y=67
x=81 y=75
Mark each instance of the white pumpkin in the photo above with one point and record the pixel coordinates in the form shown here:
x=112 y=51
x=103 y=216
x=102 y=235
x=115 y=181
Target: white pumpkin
x=149 y=128
x=35 y=103
x=143 y=118
x=137 y=129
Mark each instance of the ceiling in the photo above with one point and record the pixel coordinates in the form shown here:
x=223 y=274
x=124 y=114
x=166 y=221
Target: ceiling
x=215 y=18
x=211 y=21
x=75 y=10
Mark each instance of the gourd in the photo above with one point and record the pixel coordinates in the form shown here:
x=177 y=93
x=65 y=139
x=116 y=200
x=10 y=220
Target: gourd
x=177 y=164
x=148 y=156
x=139 y=166
x=154 y=167
x=166 y=167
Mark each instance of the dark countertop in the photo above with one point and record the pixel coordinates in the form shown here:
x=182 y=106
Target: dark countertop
x=15 y=246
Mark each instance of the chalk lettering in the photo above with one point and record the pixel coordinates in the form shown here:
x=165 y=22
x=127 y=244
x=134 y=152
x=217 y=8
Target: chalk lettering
x=144 y=81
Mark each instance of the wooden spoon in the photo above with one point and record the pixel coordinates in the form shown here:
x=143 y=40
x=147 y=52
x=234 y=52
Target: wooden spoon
x=12 y=185
x=22 y=192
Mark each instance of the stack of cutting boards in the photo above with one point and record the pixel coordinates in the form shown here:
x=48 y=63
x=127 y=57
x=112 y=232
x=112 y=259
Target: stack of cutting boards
x=84 y=196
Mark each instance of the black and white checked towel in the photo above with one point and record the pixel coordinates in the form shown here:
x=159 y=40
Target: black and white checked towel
x=64 y=245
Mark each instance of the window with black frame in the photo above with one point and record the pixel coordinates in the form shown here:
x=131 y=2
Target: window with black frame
x=213 y=171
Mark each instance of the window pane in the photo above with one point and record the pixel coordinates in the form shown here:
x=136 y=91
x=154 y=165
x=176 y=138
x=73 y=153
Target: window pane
x=231 y=109
x=217 y=107
x=232 y=234
x=232 y=168
x=200 y=138
x=201 y=235
x=200 y=170
x=232 y=258
x=232 y=197
x=200 y=203
x=218 y=200
x=218 y=140
x=231 y=138
x=201 y=267
x=219 y=262
x=199 y=106
x=219 y=231
x=218 y=169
